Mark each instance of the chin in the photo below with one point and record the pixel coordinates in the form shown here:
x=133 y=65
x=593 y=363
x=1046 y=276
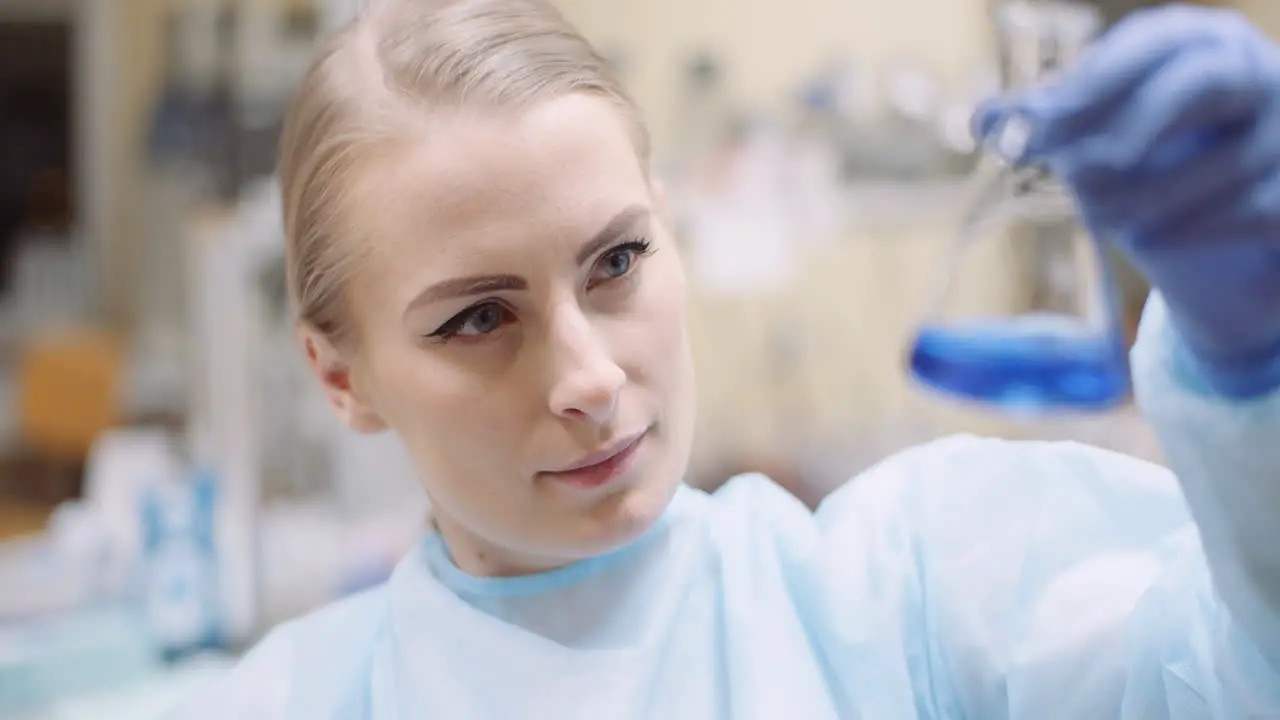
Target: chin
x=625 y=516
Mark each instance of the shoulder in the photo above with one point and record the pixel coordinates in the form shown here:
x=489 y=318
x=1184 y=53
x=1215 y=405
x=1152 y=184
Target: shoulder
x=971 y=513
x=325 y=652
x=963 y=489
x=965 y=477
x=1016 y=557
x=753 y=513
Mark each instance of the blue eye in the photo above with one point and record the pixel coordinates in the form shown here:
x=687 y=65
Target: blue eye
x=619 y=261
x=475 y=322
x=484 y=320
x=616 y=264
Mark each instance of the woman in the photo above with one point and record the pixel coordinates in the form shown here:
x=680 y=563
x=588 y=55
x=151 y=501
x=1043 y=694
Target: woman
x=481 y=264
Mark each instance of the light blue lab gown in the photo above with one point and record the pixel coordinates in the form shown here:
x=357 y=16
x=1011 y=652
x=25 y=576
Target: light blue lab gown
x=965 y=579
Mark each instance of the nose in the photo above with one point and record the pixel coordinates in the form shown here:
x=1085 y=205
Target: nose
x=587 y=380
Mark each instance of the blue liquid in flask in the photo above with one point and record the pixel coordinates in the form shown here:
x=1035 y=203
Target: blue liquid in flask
x=1033 y=364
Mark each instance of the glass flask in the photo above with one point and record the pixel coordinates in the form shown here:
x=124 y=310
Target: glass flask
x=1027 y=316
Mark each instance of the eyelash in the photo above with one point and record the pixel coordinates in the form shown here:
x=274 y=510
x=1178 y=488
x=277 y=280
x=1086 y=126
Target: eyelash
x=641 y=247
x=450 y=331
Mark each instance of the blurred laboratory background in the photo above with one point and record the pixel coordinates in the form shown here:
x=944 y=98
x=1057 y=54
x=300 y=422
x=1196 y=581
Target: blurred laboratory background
x=172 y=484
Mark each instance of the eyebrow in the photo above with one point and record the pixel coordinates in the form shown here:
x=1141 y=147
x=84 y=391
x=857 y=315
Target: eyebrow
x=621 y=223
x=468 y=286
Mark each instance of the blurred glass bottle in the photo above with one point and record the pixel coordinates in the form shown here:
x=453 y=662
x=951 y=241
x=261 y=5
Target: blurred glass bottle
x=1027 y=314
x=187 y=165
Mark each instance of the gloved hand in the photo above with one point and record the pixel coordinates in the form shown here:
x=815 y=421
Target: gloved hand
x=1168 y=133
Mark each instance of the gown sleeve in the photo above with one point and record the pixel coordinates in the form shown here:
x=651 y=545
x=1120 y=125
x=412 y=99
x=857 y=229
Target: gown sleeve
x=1205 y=641
x=1057 y=580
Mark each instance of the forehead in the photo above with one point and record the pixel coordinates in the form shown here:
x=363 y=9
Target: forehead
x=473 y=182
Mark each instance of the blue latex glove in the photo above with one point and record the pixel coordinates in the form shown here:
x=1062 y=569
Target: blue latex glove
x=1168 y=132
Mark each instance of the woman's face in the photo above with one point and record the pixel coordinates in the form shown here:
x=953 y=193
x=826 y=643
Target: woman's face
x=519 y=313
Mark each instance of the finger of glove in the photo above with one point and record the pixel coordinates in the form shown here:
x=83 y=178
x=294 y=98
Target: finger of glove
x=1105 y=81
x=1182 y=104
x=1192 y=128
x=1151 y=202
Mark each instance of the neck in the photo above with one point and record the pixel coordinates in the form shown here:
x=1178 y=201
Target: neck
x=480 y=558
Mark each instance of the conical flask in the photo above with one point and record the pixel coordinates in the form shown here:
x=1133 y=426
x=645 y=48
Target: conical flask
x=1026 y=315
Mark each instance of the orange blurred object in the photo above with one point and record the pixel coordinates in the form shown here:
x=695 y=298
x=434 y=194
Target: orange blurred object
x=69 y=392
x=20 y=519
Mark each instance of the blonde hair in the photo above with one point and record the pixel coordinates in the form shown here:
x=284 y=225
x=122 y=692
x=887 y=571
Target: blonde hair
x=399 y=58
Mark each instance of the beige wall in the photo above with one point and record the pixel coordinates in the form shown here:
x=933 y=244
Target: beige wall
x=140 y=48
x=767 y=44
x=1266 y=13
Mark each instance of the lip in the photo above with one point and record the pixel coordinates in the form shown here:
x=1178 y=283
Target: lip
x=599 y=468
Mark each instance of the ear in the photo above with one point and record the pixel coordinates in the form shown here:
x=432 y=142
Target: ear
x=334 y=371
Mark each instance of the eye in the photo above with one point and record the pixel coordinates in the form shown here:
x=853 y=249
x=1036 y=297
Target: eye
x=475 y=322
x=619 y=261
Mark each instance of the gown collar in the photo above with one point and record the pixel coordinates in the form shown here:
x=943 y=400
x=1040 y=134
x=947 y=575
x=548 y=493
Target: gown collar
x=435 y=554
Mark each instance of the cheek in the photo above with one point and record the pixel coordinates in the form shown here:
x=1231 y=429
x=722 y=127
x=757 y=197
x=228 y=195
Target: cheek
x=670 y=292
x=456 y=422
x=663 y=342
x=438 y=413
x=410 y=396
x=450 y=410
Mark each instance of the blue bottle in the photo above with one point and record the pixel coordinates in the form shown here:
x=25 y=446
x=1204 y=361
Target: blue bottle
x=180 y=576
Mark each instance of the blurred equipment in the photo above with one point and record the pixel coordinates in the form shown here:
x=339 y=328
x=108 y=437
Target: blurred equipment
x=88 y=605
x=305 y=510
x=1056 y=340
x=180 y=580
x=70 y=392
x=188 y=163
